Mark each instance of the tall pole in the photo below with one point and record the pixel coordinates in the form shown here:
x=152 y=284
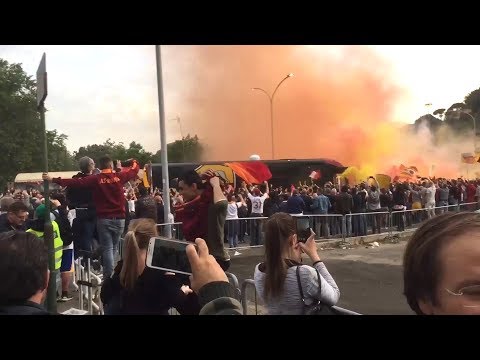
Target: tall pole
x=163 y=140
x=271 y=124
x=474 y=131
x=42 y=92
x=270 y=98
x=48 y=229
x=183 y=140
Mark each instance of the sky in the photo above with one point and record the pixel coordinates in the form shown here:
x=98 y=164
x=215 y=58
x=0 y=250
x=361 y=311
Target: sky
x=100 y=92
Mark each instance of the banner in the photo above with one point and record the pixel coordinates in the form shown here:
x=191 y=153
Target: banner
x=254 y=172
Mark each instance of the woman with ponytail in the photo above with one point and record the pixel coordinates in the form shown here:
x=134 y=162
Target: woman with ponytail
x=278 y=279
x=136 y=289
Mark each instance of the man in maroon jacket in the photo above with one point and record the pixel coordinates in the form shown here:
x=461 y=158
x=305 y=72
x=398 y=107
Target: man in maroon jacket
x=109 y=199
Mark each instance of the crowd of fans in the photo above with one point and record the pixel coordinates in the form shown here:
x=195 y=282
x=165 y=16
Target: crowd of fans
x=92 y=211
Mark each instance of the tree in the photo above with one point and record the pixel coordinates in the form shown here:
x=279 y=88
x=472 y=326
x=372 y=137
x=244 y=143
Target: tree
x=21 y=138
x=472 y=101
x=115 y=151
x=457 y=120
x=189 y=149
x=440 y=113
x=59 y=159
x=430 y=121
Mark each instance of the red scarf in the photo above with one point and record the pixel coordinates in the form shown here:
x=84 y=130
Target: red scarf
x=194 y=215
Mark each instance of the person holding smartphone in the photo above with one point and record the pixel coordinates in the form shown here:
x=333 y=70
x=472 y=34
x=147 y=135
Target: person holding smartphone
x=276 y=279
x=135 y=289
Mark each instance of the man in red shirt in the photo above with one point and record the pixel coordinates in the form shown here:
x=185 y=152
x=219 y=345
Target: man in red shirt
x=203 y=213
x=109 y=199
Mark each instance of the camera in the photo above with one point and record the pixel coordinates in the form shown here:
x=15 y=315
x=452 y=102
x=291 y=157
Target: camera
x=128 y=162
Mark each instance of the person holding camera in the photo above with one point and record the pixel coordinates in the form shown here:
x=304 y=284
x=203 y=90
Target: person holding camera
x=279 y=278
x=109 y=199
x=135 y=289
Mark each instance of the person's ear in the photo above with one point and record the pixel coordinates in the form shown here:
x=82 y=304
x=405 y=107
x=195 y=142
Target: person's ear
x=426 y=307
x=293 y=241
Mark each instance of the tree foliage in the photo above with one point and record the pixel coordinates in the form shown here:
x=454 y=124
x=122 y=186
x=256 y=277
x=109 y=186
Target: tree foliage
x=189 y=149
x=21 y=138
x=472 y=101
x=117 y=151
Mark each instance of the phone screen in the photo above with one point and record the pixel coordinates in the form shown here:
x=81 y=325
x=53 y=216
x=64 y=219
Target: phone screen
x=168 y=255
x=303 y=228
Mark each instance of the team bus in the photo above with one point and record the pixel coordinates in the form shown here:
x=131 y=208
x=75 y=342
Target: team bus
x=284 y=172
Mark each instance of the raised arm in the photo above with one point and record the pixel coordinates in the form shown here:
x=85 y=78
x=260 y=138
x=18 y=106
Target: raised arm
x=217 y=190
x=131 y=173
x=87 y=181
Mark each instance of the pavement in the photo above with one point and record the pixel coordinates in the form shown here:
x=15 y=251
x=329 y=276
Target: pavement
x=370 y=279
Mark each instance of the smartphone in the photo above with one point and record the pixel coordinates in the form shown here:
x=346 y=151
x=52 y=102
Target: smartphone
x=303 y=231
x=169 y=255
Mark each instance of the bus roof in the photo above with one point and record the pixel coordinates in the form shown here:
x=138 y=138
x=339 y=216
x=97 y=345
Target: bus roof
x=303 y=161
x=37 y=177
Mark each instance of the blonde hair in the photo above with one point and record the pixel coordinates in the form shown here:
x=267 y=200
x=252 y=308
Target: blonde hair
x=137 y=238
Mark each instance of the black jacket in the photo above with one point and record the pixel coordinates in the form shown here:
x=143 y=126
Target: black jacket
x=26 y=308
x=154 y=294
x=81 y=197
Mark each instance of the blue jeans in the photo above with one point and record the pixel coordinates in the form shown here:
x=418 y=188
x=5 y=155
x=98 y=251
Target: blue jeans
x=109 y=233
x=232 y=227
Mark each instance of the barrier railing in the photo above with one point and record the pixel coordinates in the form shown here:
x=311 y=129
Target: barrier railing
x=244 y=300
x=367 y=223
x=171 y=230
x=249 y=232
x=250 y=283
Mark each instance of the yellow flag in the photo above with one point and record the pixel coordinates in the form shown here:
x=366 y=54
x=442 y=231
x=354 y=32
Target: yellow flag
x=145 y=178
x=383 y=181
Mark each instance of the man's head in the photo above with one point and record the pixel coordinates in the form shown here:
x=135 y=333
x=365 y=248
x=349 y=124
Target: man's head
x=86 y=165
x=190 y=185
x=344 y=189
x=256 y=192
x=142 y=190
x=23 y=268
x=105 y=163
x=17 y=213
x=5 y=203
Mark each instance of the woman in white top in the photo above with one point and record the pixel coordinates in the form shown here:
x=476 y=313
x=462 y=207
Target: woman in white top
x=231 y=223
x=276 y=279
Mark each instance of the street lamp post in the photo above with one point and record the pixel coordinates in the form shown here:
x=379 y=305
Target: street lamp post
x=270 y=98
x=177 y=119
x=474 y=131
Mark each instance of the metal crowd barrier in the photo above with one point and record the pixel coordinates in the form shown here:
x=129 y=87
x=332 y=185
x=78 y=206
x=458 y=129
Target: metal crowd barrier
x=249 y=232
x=367 y=223
x=244 y=300
x=251 y=283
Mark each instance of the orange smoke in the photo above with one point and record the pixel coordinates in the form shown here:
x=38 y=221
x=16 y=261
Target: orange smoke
x=338 y=105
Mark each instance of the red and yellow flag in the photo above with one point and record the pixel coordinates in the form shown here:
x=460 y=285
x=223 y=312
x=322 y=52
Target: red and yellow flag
x=254 y=172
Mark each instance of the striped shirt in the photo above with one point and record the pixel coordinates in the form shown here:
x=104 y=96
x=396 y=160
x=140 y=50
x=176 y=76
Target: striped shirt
x=290 y=302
